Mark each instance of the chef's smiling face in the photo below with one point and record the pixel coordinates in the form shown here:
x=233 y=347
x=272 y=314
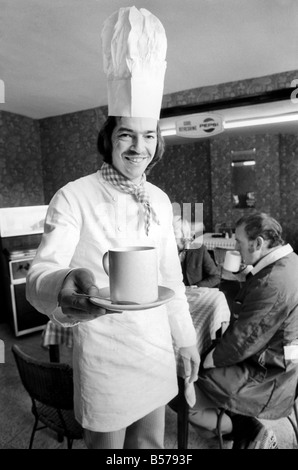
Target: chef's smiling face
x=134 y=143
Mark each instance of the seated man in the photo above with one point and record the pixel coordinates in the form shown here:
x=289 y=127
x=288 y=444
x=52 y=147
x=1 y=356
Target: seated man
x=198 y=267
x=253 y=370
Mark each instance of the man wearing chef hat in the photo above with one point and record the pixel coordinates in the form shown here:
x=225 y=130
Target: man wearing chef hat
x=124 y=364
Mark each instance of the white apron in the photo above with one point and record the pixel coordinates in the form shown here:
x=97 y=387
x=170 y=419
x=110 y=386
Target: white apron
x=124 y=364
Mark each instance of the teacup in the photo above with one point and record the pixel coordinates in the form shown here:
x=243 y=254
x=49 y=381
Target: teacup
x=133 y=274
x=232 y=261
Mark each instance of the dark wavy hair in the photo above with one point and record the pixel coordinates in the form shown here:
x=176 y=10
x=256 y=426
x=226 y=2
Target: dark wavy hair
x=105 y=147
x=259 y=224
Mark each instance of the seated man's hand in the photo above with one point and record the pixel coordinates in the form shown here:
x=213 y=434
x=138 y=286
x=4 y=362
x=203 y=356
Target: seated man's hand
x=79 y=281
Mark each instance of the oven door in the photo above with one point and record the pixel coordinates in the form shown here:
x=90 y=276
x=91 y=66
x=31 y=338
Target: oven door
x=25 y=318
x=22 y=316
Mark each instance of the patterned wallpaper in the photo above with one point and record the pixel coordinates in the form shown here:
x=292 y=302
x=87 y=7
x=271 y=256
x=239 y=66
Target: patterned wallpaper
x=288 y=149
x=38 y=157
x=21 y=182
x=184 y=174
x=69 y=147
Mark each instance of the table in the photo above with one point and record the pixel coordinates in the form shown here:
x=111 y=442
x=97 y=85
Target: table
x=210 y=313
x=209 y=310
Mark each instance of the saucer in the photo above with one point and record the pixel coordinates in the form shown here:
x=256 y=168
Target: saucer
x=164 y=295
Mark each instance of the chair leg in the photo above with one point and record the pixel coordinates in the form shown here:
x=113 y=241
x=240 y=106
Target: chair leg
x=33 y=433
x=69 y=443
x=54 y=353
x=294 y=422
x=296 y=412
x=294 y=426
x=218 y=427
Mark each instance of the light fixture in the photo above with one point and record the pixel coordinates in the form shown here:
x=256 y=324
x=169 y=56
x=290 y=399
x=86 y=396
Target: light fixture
x=259 y=121
x=244 y=163
x=249 y=122
x=167 y=132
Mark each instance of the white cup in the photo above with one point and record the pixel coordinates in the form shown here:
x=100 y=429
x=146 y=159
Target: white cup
x=133 y=274
x=232 y=261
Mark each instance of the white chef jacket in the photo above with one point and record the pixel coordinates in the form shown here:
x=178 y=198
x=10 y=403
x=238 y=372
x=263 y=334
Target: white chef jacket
x=124 y=364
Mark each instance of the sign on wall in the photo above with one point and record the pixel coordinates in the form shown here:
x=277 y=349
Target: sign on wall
x=199 y=125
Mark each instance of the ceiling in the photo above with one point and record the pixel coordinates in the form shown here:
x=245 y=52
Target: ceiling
x=51 y=61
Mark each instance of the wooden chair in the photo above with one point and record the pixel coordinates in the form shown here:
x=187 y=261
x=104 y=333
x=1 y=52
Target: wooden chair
x=180 y=405
x=50 y=386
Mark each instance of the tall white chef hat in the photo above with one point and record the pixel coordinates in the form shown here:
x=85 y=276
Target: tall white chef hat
x=134 y=49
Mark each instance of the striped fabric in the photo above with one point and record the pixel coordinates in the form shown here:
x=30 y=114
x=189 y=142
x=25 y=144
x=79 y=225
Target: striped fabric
x=54 y=334
x=139 y=191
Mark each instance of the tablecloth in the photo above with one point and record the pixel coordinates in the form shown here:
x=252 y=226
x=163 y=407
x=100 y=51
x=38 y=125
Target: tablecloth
x=54 y=334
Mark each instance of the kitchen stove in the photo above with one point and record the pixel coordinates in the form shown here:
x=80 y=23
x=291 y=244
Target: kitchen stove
x=21 y=231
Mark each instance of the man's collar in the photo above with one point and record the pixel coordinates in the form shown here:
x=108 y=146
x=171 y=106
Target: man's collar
x=272 y=257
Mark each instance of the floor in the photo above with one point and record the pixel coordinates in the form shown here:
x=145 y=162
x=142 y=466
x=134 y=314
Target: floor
x=16 y=419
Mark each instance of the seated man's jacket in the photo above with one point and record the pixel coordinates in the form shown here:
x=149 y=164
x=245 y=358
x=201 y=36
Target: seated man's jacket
x=256 y=360
x=199 y=269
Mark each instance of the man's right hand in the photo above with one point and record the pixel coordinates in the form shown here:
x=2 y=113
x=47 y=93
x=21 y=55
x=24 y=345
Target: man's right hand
x=79 y=281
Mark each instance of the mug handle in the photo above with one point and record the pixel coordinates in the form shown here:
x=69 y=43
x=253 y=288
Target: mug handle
x=105 y=262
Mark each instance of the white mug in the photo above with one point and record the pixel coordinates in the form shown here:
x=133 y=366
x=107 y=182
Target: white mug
x=232 y=261
x=133 y=274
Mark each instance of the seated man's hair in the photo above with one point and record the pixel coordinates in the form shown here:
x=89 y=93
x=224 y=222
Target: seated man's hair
x=259 y=224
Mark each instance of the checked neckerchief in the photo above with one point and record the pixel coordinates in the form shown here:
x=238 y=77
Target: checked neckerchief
x=111 y=175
